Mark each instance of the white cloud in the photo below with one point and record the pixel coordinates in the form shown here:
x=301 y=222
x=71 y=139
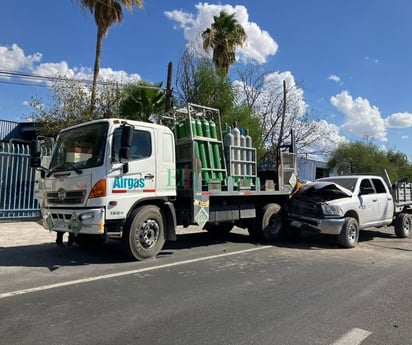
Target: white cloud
x=60 y=69
x=361 y=119
x=13 y=59
x=334 y=78
x=259 y=44
x=399 y=120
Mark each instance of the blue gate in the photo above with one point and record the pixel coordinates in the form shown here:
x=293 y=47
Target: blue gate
x=17 y=199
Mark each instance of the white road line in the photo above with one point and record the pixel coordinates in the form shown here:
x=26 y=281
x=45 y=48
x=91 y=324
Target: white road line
x=354 y=337
x=125 y=273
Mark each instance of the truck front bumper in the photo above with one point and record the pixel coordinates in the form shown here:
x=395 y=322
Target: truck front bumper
x=331 y=226
x=83 y=221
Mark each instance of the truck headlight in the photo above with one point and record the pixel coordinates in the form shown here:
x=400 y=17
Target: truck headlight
x=332 y=210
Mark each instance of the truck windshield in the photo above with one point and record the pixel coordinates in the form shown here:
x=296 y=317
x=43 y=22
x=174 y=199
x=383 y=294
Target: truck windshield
x=79 y=148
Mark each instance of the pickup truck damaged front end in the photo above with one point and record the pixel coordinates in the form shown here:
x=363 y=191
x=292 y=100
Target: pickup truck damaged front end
x=310 y=208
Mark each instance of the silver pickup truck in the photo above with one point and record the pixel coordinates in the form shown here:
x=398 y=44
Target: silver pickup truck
x=343 y=205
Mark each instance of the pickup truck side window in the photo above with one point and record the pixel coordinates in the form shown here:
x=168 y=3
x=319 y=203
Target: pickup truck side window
x=379 y=186
x=366 y=187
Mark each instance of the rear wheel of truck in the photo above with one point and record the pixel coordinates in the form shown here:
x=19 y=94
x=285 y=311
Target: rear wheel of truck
x=403 y=224
x=144 y=233
x=268 y=225
x=349 y=235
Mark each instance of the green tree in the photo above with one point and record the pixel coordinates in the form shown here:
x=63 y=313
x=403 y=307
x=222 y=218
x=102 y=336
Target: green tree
x=360 y=157
x=142 y=100
x=224 y=35
x=69 y=105
x=106 y=13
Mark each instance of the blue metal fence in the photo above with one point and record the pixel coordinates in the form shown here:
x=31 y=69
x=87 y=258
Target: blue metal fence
x=17 y=199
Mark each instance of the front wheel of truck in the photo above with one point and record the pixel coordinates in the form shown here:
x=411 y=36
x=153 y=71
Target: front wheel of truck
x=144 y=233
x=403 y=225
x=349 y=235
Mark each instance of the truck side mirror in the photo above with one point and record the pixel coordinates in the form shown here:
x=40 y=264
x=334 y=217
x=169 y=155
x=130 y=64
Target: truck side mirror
x=126 y=142
x=35 y=154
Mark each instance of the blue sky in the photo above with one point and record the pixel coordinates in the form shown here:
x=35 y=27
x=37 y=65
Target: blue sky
x=351 y=59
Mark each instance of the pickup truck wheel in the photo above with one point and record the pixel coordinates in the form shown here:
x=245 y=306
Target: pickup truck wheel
x=144 y=233
x=349 y=235
x=403 y=224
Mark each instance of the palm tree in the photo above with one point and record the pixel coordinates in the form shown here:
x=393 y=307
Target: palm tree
x=106 y=13
x=224 y=35
x=143 y=101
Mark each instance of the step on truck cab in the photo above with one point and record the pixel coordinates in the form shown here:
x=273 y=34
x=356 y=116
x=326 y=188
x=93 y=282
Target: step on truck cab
x=136 y=181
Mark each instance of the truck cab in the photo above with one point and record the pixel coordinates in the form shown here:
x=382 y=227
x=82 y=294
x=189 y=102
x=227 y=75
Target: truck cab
x=97 y=175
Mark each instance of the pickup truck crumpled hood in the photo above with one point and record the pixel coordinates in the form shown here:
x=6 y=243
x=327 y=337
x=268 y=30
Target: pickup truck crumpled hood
x=308 y=201
x=323 y=190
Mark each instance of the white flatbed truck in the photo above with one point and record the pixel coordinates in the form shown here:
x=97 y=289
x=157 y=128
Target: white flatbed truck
x=137 y=181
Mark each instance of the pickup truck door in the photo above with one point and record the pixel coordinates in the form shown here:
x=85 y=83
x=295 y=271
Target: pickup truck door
x=368 y=204
x=385 y=201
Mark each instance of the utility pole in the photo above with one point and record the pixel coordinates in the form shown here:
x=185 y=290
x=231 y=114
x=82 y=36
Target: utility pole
x=169 y=90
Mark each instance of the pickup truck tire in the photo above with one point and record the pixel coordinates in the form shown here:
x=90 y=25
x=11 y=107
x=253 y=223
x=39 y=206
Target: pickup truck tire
x=403 y=224
x=349 y=235
x=144 y=233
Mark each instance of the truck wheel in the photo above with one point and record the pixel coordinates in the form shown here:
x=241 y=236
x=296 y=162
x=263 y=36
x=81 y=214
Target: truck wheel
x=144 y=233
x=403 y=224
x=268 y=225
x=349 y=235
x=219 y=229
x=272 y=222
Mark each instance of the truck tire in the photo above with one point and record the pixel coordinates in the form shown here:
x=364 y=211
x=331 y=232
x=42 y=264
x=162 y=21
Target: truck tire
x=218 y=229
x=268 y=225
x=144 y=233
x=403 y=224
x=349 y=235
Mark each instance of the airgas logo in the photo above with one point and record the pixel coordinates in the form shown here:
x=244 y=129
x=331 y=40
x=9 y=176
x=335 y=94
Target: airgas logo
x=128 y=183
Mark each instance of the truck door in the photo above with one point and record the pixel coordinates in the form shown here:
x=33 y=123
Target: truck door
x=385 y=201
x=142 y=163
x=368 y=203
x=140 y=179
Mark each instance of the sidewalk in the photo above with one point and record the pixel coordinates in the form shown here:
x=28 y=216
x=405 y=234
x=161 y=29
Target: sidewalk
x=24 y=233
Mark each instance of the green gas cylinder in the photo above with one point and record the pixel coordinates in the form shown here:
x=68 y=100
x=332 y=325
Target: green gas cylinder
x=216 y=151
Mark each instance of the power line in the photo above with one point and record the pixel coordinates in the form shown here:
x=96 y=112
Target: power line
x=32 y=77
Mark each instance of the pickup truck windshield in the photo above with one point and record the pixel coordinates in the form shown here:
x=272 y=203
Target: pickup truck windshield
x=348 y=183
x=79 y=148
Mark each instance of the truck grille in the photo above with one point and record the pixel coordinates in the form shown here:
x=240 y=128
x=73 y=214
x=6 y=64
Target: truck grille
x=306 y=209
x=68 y=197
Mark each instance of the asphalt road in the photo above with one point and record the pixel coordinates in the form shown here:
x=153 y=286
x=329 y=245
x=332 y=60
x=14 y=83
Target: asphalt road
x=204 y=290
